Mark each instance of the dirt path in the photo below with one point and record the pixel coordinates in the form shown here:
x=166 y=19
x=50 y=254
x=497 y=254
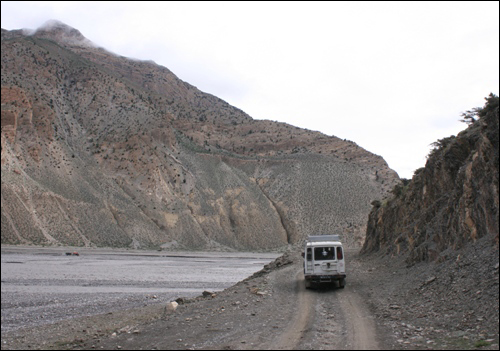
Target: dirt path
x=385 y=305
x=291 y=337
x=359 y=322
x=271 y=310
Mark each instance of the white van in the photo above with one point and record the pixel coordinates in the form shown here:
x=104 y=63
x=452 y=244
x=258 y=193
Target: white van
x=324 y=260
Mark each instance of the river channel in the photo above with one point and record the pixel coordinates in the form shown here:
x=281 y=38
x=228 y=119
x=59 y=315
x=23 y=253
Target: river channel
x=45 y=285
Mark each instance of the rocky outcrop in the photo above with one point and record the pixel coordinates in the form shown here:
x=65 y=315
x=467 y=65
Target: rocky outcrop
x=449 y=203
x=101 y=150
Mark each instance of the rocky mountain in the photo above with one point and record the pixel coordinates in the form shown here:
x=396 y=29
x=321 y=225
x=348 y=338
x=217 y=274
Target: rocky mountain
x=451 y=203
x=103 y=150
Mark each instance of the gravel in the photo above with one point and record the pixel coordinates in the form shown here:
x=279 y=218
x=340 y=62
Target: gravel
x=42 y=286
x=451 y=304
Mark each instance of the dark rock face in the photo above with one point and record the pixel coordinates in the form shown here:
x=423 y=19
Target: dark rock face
x=101 y=150
x=447 y=204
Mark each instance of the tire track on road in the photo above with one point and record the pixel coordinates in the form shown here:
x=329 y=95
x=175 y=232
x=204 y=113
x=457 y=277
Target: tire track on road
x=360 y=325
x=304 y=316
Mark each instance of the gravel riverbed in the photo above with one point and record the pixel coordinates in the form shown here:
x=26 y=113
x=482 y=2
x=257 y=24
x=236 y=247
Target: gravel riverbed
x=44 y=285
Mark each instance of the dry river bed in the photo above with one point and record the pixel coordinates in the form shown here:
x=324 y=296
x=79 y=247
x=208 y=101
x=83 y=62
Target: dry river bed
x=44 y=285
x=117 y=300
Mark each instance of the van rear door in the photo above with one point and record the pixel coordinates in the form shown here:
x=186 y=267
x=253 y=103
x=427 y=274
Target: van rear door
x=325 y=261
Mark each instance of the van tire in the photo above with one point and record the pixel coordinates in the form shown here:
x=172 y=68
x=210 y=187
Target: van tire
x=342 y=283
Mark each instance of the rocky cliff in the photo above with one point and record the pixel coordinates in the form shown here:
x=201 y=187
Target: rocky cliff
x=451 y=202
x=102 y=150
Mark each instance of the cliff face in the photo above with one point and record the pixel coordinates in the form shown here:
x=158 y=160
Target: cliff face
x=101 y=150
x=449 y=203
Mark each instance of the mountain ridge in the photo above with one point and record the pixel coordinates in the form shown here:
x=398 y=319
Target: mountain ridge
x=102 y=150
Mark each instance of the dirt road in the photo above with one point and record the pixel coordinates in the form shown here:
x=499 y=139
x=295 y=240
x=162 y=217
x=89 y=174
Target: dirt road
x=359 y=321
x=385 y=305
x=329 y=318
x=302 y=320
x=270 y=310
x=353 y=314
x=273 y=311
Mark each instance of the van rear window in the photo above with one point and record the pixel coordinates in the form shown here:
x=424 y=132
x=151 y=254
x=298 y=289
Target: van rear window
x=324 y=253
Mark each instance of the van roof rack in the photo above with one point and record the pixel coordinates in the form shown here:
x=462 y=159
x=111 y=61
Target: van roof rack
x=317 y=238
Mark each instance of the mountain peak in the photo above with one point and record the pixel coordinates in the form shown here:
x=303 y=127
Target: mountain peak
x=61 y=32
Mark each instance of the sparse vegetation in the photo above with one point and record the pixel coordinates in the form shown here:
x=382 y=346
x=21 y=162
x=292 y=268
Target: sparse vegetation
x=433 y=211
x=117 y=144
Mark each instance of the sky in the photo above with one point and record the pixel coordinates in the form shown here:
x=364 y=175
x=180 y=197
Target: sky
x=393 y=77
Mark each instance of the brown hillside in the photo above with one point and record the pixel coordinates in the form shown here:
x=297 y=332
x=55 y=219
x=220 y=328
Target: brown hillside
x=450 y=203
x=102 y=150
